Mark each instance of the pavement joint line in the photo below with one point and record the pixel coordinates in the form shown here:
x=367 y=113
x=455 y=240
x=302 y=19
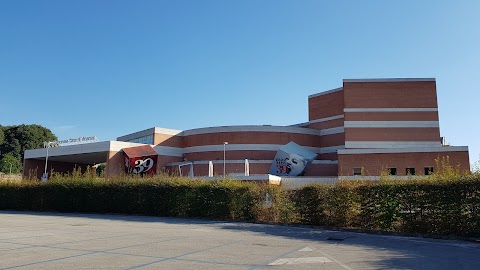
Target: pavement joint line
x=51 y=260
x=36 y=230
x=88 y=252
x=335 y=260
x=265 y=263
x=61 y=243
x=77 y=241
x=179 y=256
x=32 y=236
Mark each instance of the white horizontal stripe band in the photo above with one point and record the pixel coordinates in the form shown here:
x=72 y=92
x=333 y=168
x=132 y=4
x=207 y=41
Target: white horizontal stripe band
x=391 y=124
x=250 y=161
x=390 y=110
x=326 y=92
x=266 y=128
x=178 y=152
x=391 y=80
x=326 y=119
x=331 y=149
x=436 y=149
x=330 y=131
x=79 y=149
x=391 y=144
x=376 y=178
x=168 y=151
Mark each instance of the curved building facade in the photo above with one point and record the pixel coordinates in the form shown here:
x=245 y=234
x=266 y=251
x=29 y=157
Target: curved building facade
x=367 y=126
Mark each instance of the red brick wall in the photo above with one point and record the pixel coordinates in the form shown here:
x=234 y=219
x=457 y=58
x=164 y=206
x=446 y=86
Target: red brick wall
x=391 y=116
x=327 y=124
x=374 y=164
x=252 y=137
x=412 y=94
x=327 y=105
x=392 y=134
x=168 y=140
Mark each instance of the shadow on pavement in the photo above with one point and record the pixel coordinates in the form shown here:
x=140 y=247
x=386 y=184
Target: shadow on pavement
x=404 y=252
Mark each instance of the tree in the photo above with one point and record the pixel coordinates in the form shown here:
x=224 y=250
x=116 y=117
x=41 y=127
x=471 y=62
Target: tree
x=2 y=136
x=17 y=139
x=10 y=164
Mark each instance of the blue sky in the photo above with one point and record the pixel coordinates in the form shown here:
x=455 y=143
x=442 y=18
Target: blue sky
x=109 y=68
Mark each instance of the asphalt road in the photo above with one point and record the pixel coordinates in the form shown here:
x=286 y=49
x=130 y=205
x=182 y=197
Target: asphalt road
x=88 y=241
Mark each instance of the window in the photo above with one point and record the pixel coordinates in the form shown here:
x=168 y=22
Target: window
x=410 y=171
x=428 y=170
x=392 y=171
x=357 y=171
x=145 y=139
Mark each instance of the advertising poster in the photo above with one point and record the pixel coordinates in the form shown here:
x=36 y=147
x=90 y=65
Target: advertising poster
x=291 y=160
x=140 y=160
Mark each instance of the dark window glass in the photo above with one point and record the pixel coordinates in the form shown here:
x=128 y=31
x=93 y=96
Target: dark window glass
x=392 y=171
x=410 y=171
x=428 y=170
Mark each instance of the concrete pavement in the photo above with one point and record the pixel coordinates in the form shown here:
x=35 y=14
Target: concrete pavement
x=31 y=240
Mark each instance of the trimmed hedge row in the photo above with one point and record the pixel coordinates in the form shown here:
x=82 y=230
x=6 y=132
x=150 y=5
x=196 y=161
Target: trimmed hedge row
x=427 y=207
x=221 y=200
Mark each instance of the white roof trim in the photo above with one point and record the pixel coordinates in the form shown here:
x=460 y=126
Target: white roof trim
x=390 y=110
x=266 y=128
x=391 y=144
x=340 y=116
x=404 y=150
x=391 y=124
x=77 y=149
x=251 y=161
x=390 y=80
x=326 y=92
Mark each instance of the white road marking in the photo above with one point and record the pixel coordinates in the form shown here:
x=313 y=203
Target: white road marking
x=287 y=261
x=333 y=259
x=306 y=249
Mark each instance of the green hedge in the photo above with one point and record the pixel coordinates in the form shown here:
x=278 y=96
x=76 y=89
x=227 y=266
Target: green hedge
x=220 y=200
x=420 y=206
x=426 y=207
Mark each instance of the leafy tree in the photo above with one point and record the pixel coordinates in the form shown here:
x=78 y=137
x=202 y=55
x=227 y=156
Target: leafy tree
x=17 y=139
x=10 y=163
x=2 y=136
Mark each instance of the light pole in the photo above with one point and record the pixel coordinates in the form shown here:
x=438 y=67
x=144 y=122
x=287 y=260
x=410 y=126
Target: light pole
x=224 y=144
x=44 y=177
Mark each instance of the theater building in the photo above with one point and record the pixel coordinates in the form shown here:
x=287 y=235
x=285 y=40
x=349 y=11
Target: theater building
x=367 y=126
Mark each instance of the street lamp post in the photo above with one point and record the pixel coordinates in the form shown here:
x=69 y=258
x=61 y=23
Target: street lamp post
x=224 y=144
x=44 y=177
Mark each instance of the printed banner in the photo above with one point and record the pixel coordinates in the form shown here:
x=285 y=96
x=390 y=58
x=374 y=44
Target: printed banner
x=140 y=165
x=291 y=160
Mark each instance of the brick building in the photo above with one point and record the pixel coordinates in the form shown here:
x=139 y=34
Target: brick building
x=366 y=126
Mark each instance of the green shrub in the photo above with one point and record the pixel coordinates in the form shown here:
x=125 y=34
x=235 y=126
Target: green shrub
x=428 y=205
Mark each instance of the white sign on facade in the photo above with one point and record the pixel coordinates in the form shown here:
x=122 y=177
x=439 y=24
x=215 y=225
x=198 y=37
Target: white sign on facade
x=71 y=141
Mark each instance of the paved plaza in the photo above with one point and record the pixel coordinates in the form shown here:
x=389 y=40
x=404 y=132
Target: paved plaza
x=31 y=240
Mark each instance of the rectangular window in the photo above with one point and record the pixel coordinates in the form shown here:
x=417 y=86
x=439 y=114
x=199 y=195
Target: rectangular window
x=410 y=171
x=392 y=171
x=357 y=171
x=428 y=170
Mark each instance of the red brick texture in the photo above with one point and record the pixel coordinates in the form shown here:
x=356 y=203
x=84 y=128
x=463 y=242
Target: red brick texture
x=327 y=105
x=374 y=164
x=392 y=134
x=412 y=94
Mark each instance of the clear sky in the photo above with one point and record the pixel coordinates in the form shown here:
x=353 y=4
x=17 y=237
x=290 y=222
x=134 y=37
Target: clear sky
x=109 y=68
